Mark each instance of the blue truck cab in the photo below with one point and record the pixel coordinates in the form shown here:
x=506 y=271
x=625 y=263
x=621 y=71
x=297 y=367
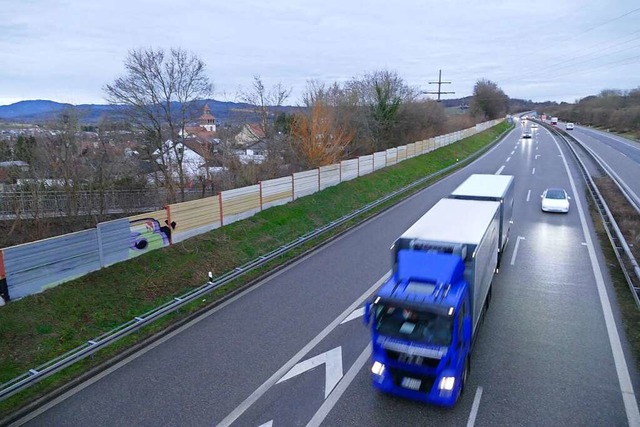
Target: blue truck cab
x=425 y=316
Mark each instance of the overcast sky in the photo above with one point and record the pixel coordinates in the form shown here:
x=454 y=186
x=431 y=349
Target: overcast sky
x=558 y=50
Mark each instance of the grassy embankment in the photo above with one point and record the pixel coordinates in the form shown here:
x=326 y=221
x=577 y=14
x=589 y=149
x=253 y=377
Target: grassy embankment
x=38 y=328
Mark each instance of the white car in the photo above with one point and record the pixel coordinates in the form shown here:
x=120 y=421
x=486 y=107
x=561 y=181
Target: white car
x=555 y=200
x=526 y=134
x=569 y=126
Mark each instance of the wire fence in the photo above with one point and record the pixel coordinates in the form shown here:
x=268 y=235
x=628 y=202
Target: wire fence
x=58 y=203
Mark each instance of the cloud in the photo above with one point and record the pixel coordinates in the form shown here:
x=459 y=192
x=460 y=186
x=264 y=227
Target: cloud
x=72 y=48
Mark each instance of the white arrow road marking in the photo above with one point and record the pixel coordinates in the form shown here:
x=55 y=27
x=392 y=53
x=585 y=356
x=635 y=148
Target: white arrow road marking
x=330 y=402
x=299 y=355
x=515 y=250
x=331 y=358
x=358 y=313
x=537 y=155
x=267 y=424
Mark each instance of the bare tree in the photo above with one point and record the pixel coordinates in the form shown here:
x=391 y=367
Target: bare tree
x=266 y=102
x=160 y=89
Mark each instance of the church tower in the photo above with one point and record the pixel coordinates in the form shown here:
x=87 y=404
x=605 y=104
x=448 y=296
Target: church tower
x=207 y=120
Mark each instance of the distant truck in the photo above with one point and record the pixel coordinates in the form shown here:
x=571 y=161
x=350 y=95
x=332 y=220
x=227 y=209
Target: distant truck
x=554 y=120
x=425 y=317
x=497 y=188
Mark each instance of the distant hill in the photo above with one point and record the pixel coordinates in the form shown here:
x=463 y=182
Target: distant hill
x=40 y=111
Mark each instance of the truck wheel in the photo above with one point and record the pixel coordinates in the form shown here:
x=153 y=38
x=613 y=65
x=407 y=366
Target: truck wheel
x=465 y=373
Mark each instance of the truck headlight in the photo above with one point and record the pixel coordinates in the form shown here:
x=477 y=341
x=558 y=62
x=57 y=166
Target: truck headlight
x=447 y=383
x=377 y=368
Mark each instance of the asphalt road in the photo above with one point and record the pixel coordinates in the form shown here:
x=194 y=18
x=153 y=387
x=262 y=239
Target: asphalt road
x=621 y=154
x=293 y=350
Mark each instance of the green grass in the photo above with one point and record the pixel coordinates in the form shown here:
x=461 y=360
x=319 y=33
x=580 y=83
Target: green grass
x=38 y=328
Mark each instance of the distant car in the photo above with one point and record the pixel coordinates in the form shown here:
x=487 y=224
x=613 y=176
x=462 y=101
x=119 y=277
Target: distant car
x=534 y=125
x=569 y=126
x=555 y=200
x=526 y=134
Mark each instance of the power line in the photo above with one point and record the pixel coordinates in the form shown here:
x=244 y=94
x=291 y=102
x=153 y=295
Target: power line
x=439 y=83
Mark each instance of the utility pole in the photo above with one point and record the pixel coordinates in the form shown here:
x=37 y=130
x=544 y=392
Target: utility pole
x=440 y=83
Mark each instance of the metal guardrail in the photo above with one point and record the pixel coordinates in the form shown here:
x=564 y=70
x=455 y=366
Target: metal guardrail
x=41 y=372
x=627 y=261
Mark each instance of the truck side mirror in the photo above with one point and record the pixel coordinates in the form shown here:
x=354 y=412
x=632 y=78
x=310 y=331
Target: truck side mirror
x=367 y=313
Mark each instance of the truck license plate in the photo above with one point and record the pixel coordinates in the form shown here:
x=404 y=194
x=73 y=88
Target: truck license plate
x=412 y=383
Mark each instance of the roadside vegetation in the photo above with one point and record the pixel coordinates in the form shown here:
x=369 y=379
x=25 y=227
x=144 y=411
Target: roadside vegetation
x=613 y=110
x=40 y=327
x=629 y=222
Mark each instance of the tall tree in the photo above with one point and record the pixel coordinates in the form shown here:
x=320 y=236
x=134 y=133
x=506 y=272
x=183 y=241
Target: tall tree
x=160 y=89
x=489 y=101
x=381 y=94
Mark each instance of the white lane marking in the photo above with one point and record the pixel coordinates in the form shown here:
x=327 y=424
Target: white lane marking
x=536 y=148
x=622 y=153
x=333 y=368
x=342 y=386
x=357 y=313
x=229 y=419
x=584 y=243
x=513 y=152
x=474 y=408
x=528 y=195
x=515 y=249
x=626 y=387
x=267 y=424
x=533 y=172
x=499 y=171
x=508 y=158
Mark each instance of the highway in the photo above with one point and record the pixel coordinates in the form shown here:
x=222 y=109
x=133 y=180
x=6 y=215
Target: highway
x=293 y=350
x=621 y=154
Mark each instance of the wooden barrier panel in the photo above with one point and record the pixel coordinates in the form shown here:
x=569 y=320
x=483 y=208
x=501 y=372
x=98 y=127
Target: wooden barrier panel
x=392 y=156
x=379 y=160
x=306 y=183
x=411 y=150
x=148 y=232
x=365 y=165
x=329 y=176
x=348 y=170
x=239 y=203
x=402 y=153
x=276 y=191
x=114 y=241
x=194 y=217
x=36 y=266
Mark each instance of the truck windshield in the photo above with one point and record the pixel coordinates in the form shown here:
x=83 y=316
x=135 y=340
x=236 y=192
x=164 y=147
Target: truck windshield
x=409 y=324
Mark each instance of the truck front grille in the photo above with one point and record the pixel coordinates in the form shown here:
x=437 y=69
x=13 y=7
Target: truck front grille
x=426 y=362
